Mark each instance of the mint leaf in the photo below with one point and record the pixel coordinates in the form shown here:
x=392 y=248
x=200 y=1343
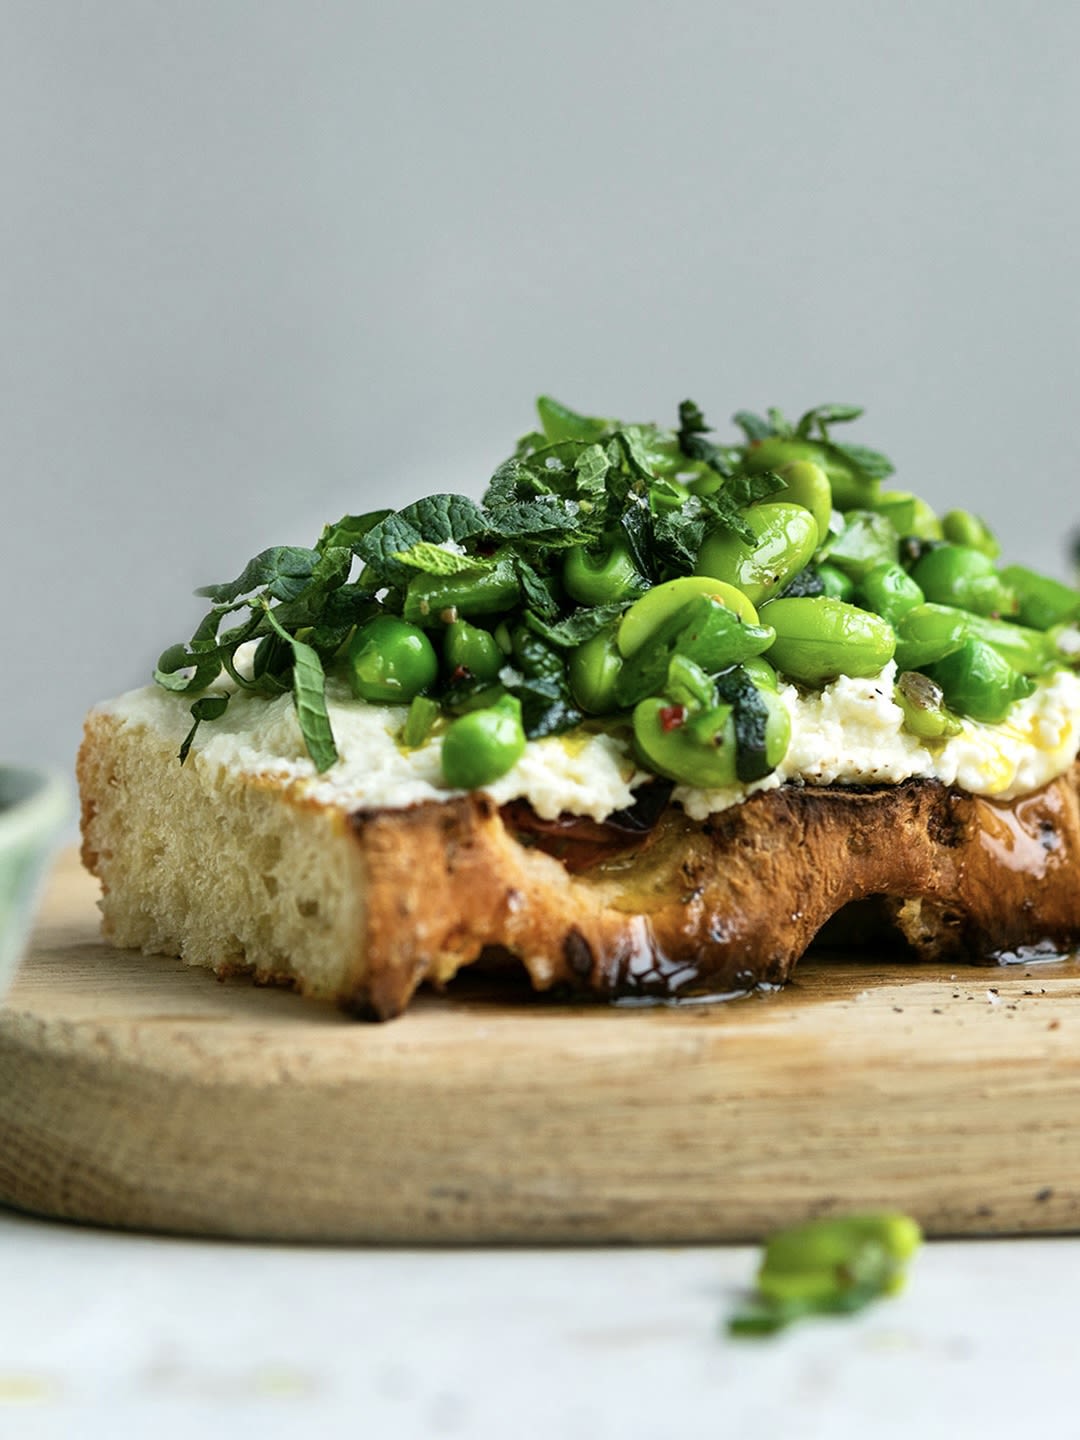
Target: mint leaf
x=752 y=426
x=631 y=439
x=546 y=706
x=436 y=560
x=559 y=422
x=435 y=519
x=591 y=466
x=869 y=463
x=692 y=442
x=536 y=590
x=281 y=571
x=350 y=529
x=210 y=707
x=747 y=489
x=823 y=415
x=575 y=629
x=309 y=697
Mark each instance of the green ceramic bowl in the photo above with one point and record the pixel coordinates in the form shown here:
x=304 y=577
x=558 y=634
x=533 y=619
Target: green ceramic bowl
x=34 y=805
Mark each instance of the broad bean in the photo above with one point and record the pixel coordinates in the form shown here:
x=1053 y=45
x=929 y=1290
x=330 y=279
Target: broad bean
x=785 y=537
x=819 y=638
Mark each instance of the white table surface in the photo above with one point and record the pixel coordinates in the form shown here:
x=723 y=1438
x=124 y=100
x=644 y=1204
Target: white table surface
x=116 y=1335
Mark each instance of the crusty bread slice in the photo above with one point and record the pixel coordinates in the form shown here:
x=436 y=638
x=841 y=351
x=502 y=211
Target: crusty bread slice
x=242 y=873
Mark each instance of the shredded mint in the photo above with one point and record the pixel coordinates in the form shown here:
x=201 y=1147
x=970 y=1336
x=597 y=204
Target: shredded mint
x=577 y=480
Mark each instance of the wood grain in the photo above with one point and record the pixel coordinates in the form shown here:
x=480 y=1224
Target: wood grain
x=139 y=1093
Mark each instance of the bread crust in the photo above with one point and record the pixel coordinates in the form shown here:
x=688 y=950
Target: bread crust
x=693 y=908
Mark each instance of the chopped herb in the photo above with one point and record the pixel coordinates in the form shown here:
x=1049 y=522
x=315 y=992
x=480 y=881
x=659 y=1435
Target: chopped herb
x=576 y=481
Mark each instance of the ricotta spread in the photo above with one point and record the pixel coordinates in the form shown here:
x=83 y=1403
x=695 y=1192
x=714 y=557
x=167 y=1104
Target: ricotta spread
x=851 y=732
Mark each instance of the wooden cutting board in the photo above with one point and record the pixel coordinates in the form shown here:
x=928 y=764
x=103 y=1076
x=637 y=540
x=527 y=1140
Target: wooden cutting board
x=137 y=1092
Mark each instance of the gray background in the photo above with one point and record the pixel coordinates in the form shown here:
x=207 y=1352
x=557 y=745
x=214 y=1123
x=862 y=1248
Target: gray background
x=262 y=263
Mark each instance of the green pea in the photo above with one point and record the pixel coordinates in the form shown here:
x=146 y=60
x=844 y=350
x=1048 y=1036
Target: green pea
x=961 y=527
x=593 y=669
x=785 y=537
x=966 y=578
x=1043 y=602
x=849 y=487
x=866 y=541
x=704 y=631
x=818 y=638
x=467 y=647
x=389 y=660
x=484 y=744
x=657 y=605
x=695 y=749
x=889 y=591
x=909 y=514
x=922 y=701
x=601 y=579
x=979 y=682
x=928 y=633
x=808 y=485
x=440 y=599
x=836 y=583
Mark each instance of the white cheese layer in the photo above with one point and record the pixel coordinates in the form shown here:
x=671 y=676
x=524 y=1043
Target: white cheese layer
x=851 y=732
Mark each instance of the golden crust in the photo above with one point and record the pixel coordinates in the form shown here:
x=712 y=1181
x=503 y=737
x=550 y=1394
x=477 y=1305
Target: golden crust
x=414 y=895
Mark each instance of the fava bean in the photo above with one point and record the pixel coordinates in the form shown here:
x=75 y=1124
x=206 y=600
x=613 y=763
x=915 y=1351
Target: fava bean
x=432 y=600
x=705 y=631
x=922 y=701
x=482 y=745
x=866 y=541
x=929 y=633
x=657 y=605
x=836 y=583
x=1043 y=601
x=1029 y=651
x=966 y=578
x=909 y=514
x=979 y=682
x=785 y=537
x=695 y=749
x=593 y=668
x=889 y=591
x=815 y=1260
x=848 y=487
x=819 y=638
x=808 y=485
x=961 y=527
x=761 y=673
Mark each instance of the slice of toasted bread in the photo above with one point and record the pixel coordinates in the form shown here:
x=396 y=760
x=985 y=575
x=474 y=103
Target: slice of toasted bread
x=243 y=873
